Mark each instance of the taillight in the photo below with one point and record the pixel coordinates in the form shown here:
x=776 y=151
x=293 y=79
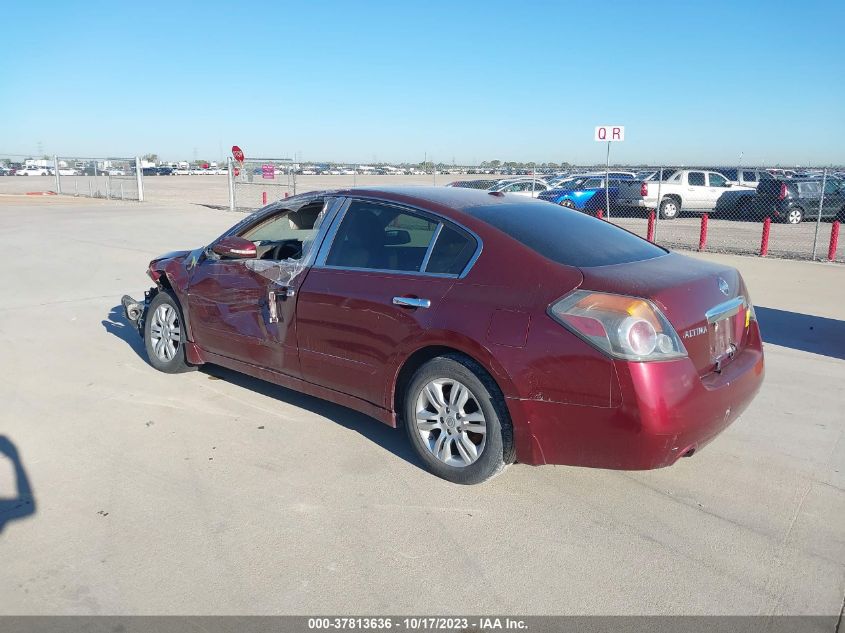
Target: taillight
x=621 y=326
x=644 y=189
x=782 y=192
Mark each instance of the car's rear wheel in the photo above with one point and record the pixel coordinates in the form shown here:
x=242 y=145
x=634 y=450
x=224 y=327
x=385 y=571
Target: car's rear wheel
x=164 y=335
x=794 y=215
x=669 y=208
x=457 y=421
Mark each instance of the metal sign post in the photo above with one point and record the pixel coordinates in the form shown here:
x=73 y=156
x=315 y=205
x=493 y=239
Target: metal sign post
x=609 y=134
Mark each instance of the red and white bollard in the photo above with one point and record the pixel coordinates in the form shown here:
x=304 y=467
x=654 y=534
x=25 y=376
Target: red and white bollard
x=764 y=242
x=650 y=234
x=702 y=236
x=600 y=214
x=264 y=197
x=834 y=241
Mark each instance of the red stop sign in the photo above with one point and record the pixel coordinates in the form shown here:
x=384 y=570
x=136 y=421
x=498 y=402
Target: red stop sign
x=237 y=153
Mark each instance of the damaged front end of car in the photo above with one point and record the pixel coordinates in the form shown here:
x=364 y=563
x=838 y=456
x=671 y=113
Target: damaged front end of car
x=169 y=272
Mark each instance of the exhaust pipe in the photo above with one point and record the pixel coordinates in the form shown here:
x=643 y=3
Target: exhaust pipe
x=132 y=309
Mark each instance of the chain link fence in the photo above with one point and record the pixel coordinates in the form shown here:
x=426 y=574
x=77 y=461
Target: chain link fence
x=256 y=182
x=111 y=178
x=743 y=210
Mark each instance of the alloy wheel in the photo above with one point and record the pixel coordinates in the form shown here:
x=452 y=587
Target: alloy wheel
x=450 y=422
x=165 y=332
x=794 y=216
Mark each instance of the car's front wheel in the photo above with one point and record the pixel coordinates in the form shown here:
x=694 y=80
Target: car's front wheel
x=457 y=420
x=164 y=335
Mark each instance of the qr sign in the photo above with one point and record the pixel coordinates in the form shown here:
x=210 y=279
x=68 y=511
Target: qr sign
x=610 y=133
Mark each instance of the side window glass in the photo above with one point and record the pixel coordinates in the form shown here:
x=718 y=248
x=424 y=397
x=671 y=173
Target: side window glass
x=381 y=237
x=831 y=186
x=696 y=178
x=451 y=253
x=287 y=235
x=717 y=180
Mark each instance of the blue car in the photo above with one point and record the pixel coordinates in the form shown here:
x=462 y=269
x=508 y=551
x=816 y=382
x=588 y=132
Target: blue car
x=583 y=194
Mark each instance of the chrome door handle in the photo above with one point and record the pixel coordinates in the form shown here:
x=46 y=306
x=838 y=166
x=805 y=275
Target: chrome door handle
x=411 y=302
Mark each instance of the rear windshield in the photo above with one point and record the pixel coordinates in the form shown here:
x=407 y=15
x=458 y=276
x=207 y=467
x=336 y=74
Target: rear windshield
x=566 y=236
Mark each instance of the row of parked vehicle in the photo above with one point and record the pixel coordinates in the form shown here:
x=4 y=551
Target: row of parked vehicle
x=734 y=193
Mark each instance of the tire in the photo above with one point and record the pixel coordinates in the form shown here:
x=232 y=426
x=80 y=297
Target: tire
x=670 y=208
x=794 y=215
x=481 y=406
x=164 y=334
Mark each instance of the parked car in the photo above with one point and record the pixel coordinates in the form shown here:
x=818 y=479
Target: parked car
x=32 y=170
x=584 y=194
x=165 y=171
x=6 y=171
x=528 y=187
x=406 y=304
x=150 y=171
x=791 y=200
x=691 y=190
x=182 y=171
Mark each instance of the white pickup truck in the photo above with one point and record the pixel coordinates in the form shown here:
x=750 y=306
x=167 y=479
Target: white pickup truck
x=693 y=190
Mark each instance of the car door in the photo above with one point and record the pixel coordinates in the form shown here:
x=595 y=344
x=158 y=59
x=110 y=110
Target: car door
x=374 y=288
x=696 y=197
x=244 y=309
x=721 y=196
x=834 y=198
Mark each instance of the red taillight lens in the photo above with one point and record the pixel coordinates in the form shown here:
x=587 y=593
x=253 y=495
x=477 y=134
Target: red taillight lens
x=644 y=189
x=621 y=326
x=782 y=192
x=154 y=274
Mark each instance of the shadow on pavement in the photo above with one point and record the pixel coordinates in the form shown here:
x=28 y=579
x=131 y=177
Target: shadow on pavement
x=22 y=504
x=390 y=439
x=818 y=335
x=116 y=324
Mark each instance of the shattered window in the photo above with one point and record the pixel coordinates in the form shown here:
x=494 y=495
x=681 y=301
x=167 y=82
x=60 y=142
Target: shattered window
x=288 y=234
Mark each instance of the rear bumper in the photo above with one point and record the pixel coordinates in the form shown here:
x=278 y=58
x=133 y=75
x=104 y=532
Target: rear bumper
x=638 y=203
x=667 y=411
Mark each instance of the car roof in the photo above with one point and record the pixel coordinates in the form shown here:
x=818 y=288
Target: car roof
x=453 y=202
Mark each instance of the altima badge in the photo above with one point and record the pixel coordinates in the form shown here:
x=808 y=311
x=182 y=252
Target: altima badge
x=724 y=287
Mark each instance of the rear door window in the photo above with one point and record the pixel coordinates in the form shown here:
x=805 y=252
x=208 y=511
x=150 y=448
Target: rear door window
x=696 y=178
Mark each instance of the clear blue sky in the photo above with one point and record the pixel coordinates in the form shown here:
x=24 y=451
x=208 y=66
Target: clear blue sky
x=367 y=81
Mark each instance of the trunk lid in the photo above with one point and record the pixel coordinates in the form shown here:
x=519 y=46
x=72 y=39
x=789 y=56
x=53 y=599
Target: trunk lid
x=706 y=303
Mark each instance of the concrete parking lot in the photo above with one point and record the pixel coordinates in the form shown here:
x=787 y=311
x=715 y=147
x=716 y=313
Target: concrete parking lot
x=128 y=491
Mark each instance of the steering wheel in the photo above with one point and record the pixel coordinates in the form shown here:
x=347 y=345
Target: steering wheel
x=286 y=250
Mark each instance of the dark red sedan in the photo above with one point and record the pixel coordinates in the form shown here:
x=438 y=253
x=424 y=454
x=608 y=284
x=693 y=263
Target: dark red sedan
x=493 y=328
